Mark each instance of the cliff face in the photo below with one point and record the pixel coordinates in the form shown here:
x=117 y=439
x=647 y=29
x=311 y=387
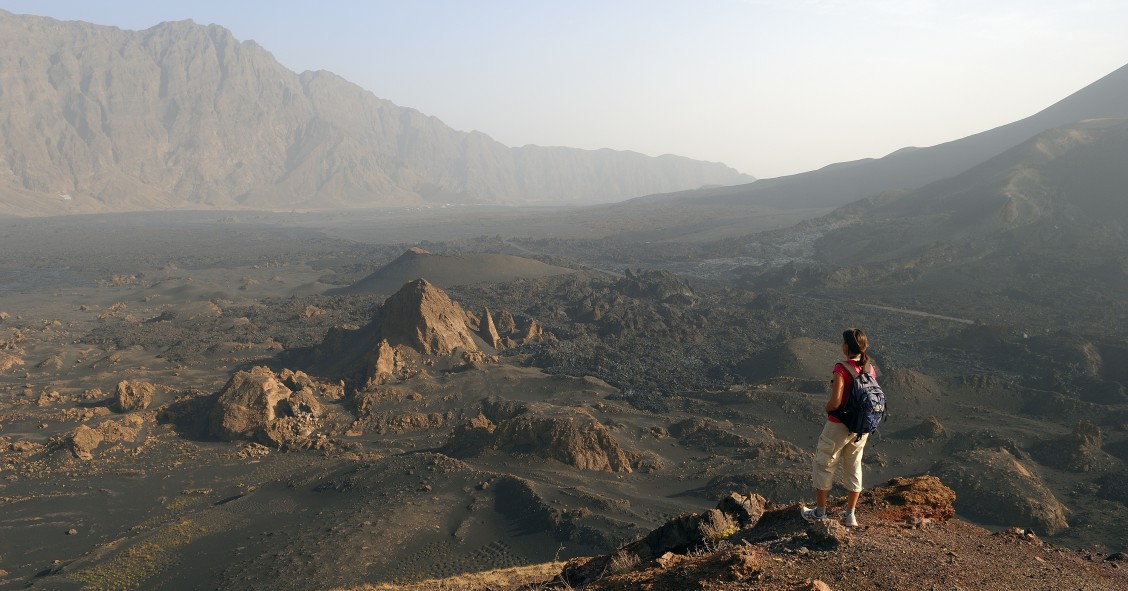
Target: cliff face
x=186 y=116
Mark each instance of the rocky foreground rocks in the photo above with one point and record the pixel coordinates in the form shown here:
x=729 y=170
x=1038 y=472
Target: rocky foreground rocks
x=748 y=543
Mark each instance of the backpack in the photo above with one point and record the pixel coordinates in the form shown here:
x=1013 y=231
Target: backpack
x=865 y=408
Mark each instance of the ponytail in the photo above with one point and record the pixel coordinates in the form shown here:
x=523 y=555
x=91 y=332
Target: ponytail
x=856 y=344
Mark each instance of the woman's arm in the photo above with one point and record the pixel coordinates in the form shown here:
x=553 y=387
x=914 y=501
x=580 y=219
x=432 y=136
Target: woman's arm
x=837 y=393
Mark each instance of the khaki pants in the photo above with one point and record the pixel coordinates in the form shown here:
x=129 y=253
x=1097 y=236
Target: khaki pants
x=837 y=443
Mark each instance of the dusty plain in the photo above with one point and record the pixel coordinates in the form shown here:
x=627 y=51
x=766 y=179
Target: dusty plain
x=658 y=394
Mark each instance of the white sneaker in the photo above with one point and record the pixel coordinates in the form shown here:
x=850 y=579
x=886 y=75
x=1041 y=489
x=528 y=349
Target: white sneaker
x=849 y=519
x=809 y=513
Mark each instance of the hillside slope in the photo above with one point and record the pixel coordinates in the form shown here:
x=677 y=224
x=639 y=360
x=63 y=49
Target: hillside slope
x=842 y=183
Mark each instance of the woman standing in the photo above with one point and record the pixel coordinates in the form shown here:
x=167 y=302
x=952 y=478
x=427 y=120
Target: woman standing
x=837 y=443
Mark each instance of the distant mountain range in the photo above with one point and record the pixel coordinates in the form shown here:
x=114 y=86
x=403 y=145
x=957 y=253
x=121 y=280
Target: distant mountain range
x=184 y=116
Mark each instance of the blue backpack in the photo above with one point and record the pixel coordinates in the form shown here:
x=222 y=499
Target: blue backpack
x=865 y=408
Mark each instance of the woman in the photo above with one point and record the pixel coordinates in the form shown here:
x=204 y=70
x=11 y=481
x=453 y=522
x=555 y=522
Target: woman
x=837 y=443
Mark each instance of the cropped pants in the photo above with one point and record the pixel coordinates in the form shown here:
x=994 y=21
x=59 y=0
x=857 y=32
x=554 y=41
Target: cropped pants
x=837 y=444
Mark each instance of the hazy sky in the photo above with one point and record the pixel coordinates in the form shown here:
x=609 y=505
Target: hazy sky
x=770 y=87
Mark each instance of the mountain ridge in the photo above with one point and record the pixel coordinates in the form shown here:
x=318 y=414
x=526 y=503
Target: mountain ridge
x=185 y=116
x=912 y=167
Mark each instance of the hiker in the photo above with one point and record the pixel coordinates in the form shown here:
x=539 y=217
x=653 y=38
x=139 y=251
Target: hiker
x=837 y=443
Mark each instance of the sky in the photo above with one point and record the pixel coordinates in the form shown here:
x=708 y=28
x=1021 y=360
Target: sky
x=769 y=87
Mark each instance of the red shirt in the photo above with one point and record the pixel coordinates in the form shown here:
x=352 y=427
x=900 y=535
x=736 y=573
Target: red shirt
x=841 y=371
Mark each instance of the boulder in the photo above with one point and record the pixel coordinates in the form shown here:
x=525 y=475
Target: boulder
x=828 y=534
x=131 y=396
x=746 y=510
x=255 y=405
x=83 y=441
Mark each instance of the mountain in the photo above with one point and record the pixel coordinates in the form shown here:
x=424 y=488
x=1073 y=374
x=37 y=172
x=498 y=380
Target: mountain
x=1037 y=232
x=1058 y=194
x=447 y=270
x=185 y=116
x=842 y=183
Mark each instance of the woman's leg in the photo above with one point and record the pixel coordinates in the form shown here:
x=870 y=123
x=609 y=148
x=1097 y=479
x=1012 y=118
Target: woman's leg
x=833 y=439
x=852 y=469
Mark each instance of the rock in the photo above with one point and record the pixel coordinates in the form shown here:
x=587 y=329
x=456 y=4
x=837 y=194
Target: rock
x=424 y=318
x=385 y=366
x=25 y=446
x=533 y=332
x=928 y=430
x=471 y=438
x=8 y=361
x=992 y=485
x=505 y=323
x=1080 y=451
x=72 y=532
x=488 y=331
x=746 y=510
x=568 y=435
x=828 y=533
x=660 y=285
x=131 y=396
x=255 y=405
x=83 y=441
x=126 y=429
x=812 y=585
x=913 y=498
x=52 y=363
x=716 y=525
x=296 y=380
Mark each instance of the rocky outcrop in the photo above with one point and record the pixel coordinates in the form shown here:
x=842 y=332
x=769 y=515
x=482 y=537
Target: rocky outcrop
x=994 y=486
x=419 y=326
x=679 y=535
x=255 y=405
x=488 y=331
x=567 y=435
x=1080 y=451
x=423 y=317
x=131 y=396
x=657 y=284
x=299 y=380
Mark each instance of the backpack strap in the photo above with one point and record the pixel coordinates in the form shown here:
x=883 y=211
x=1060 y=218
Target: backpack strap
x=849 y=367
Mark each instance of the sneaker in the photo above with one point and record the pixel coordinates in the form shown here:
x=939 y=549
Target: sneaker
x=811 y=514
x=849 y=519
